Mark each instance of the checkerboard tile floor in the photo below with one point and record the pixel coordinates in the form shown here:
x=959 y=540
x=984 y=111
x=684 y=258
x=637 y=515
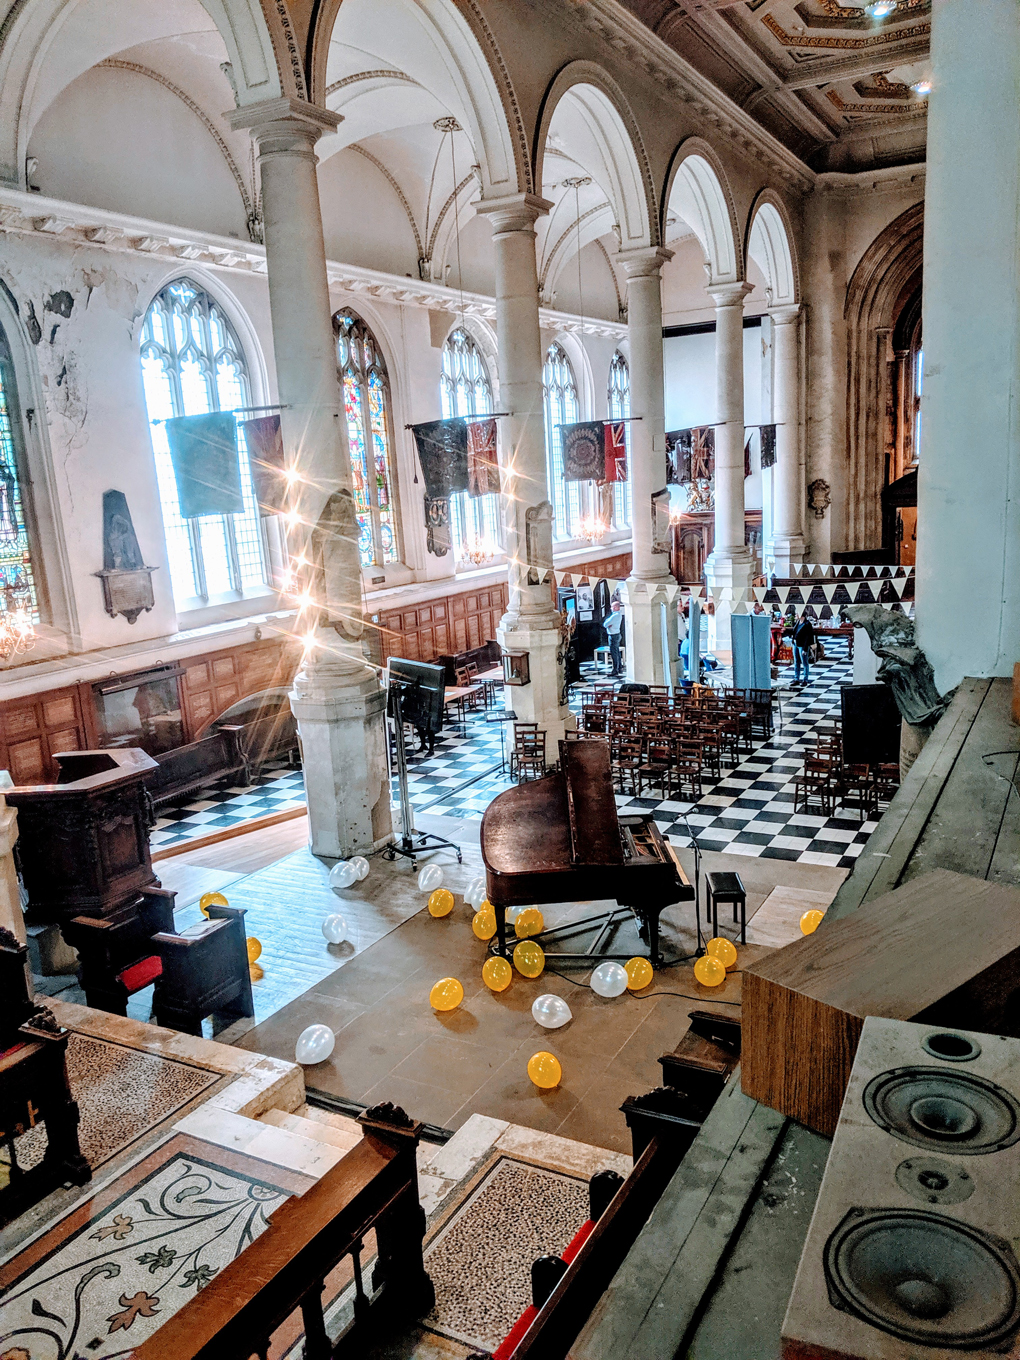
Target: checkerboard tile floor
x=748 y=811
x=225 y=805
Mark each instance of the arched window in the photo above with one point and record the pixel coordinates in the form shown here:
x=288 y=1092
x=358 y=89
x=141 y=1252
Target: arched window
x=917 y=383
x=561 y=408
x=465 y=390
x=192 y=363
x=369 y=428
x=619 y=409
x=18 y=589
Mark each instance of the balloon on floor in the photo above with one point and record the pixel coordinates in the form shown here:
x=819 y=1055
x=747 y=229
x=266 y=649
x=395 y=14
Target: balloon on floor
x=545 y=1071
x=430 y=877
x=314 y=1045
x=550 y=1011
x=609 y=979
x=446 y=995
x=334 y=928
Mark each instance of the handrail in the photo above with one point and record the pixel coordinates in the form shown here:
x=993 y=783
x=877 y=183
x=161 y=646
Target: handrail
x=374 y=1186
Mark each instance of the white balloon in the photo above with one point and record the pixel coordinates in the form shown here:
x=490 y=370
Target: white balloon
x=475 y=894
x=512 y=914
x=342 y=875
x=334 y=928
x=430 y=878
x=609 y=979
x=551 y=1011
x=314 y=1044
x=360 y=864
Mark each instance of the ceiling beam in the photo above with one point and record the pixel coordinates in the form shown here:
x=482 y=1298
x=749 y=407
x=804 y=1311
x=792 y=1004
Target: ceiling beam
x=850 y=68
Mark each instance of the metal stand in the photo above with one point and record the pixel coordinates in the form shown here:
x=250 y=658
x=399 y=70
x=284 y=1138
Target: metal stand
x=606 y=923
x=697 y=885
x=412 y=843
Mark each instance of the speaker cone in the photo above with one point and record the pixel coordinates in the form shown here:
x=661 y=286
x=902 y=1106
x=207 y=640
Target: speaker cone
x=935 y=1108
x=924 y=1279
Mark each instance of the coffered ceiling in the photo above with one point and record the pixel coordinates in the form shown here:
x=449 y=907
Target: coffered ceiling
x=828 y=79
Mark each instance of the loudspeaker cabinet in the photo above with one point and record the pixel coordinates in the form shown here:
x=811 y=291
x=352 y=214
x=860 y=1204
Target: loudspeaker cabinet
x=911 y=1251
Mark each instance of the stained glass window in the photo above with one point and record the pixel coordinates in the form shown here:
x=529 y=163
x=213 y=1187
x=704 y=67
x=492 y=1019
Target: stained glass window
x=17 y=573
x=561 y=408
x=619 y=409
x=192 y=362
x=917 y=356
x=465 y=390
x=367 y=406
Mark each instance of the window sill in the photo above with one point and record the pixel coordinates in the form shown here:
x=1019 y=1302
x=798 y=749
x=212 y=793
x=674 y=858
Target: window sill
x=198 y=613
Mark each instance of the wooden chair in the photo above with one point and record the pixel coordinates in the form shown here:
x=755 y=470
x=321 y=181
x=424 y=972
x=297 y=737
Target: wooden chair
x=626 y=762
x=816 y=780
x=470 y=703
x=858 y=789
x=657 y=770
x=687 y=775
x=529 y=753
x=887 y=780
x=519 y=729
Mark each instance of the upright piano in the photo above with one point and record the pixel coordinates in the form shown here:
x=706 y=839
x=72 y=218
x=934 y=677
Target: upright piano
x=560 y=839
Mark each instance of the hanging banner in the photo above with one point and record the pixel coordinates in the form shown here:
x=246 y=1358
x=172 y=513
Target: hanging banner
x=672 y=591
x=264 y=442
x=691 y=455
x=678 y=457
x=702 y=453
x=829 y=591
x=696 y=592
x=747 y=457
x=760 y=592
x=768 y=446
x=443 y=454
x=203 y=450
x=616 y=451
x=662 y=530
x=900 y=585
x=784 y=593
x=584 y=451
x=482 y=459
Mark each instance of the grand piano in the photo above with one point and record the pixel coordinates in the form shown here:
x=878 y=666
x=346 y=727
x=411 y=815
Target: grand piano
x=560 y=839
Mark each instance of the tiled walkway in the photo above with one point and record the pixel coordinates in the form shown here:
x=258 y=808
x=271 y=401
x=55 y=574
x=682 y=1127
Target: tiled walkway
x=748 y=811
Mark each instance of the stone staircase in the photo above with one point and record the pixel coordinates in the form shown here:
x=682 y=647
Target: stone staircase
x=321 y=1126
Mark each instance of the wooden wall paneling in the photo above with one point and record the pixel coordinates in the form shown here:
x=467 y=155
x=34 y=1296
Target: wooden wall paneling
x=446 y=625
x=34 y=728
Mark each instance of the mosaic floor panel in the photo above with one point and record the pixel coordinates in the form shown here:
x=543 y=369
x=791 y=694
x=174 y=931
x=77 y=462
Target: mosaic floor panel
x=516 y=1213
x=107 y=1275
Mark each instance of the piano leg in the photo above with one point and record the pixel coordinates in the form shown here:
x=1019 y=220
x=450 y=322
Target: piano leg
x=652 y=921
x=501 y=948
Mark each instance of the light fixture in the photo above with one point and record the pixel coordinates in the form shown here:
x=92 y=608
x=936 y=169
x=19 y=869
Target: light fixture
x=922 y=88
x=879 y=9
x=592 y=529
x=17 y=631
x=478 y=552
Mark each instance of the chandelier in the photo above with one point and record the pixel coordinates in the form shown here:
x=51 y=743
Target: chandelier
x=592 y=529
x=478 y=552
x=17 y=631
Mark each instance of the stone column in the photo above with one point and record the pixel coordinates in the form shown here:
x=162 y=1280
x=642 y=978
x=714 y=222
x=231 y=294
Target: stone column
x=336 y=698
x=531 y=623
x=729 y=566
x=649 y=588
x=788 y=545
x=968 y=507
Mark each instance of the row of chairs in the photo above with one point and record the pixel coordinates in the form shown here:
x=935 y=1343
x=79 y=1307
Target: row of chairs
x=828 y=782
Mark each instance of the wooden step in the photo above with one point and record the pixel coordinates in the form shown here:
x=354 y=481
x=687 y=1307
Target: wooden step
x=318 y=1125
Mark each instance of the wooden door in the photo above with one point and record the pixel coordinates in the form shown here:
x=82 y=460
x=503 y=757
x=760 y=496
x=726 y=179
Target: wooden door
x=906 y=535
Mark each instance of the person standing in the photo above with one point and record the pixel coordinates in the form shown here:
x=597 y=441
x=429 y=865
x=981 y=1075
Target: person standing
x=612 y=624
x=803 y=640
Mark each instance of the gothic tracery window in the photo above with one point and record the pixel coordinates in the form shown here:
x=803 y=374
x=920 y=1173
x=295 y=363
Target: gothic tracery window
x=366 y=391
x=465 y=390
x=619 y=409
x=561 y=408
x=193 y=363
x=18 y=589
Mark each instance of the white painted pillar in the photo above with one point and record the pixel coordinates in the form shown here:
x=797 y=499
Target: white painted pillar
x=336 y=698
x=649 y=585
x=788 y=546
x=968 y=514
x=730 y=565
x=531 y=623
x=11 y=917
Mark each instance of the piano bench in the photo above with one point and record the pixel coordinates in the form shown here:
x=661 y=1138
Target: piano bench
x=722 y=887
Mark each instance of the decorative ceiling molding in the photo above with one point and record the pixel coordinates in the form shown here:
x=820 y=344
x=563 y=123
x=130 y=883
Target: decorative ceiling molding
x=25 y=214
x=616 y=282
x=571 y=230
x=369 y=75
x=355 y=146
x=116 y=64
x=843 y=43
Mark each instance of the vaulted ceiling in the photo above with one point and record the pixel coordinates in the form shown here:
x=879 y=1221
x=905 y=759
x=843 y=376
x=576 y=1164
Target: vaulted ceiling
x=831 y=81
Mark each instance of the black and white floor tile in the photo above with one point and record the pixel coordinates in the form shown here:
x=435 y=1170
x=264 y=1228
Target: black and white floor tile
x=225 y=805
x=748 y=811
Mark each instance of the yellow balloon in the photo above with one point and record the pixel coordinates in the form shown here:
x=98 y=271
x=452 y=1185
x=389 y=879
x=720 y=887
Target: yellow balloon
x=810 y=921
x=710 y=971
x=639 y=973
x=441 y=902
x=487 y=907
x=254 y=948
x=211 y=899
x=446 y=995
x=497 y=973
x=722 y=949
x=255 y=972
x=530 y=921
x=483 y=923
x=545 y=1071
x=529 y=958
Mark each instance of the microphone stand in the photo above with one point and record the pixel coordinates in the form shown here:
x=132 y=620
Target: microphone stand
x=697 y=884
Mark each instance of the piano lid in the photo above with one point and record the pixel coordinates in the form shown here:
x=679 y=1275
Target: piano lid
x=558 y=822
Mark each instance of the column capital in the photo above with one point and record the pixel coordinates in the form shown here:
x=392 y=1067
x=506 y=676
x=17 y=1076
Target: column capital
x=644 y=262
x=784 y=316
x=514 y=212
x=272 y=118
x=729 y=294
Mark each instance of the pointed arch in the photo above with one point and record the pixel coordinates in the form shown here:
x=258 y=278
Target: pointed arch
x=597 y=120
x=770 y=245
x=698 y=191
